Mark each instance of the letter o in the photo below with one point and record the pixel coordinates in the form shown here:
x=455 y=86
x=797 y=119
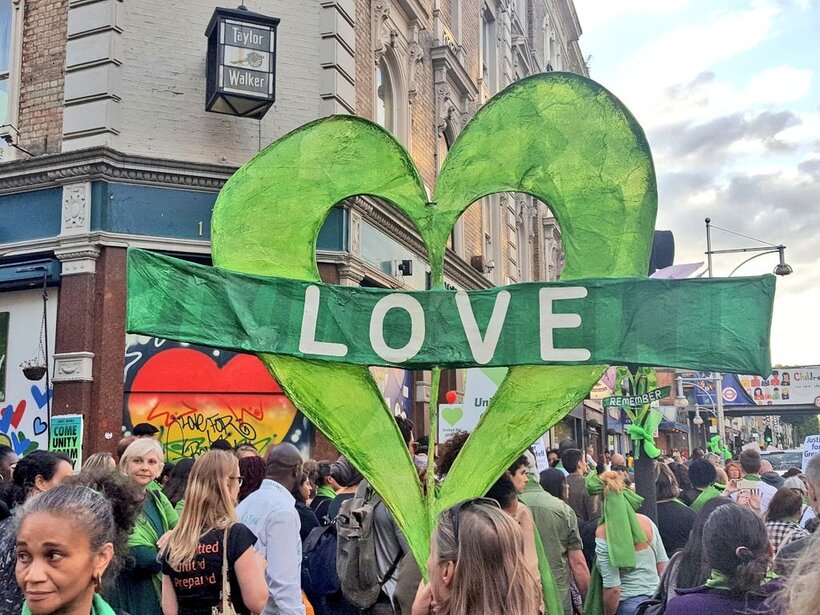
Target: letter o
x=417 y=328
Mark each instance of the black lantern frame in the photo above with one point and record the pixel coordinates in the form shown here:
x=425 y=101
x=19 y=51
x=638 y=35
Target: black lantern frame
x=241 y=67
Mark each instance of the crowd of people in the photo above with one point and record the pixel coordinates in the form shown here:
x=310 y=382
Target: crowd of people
x=242 y=531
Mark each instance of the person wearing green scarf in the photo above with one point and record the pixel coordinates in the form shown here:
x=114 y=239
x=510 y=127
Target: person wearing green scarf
x=629 y=553
x=736 y=549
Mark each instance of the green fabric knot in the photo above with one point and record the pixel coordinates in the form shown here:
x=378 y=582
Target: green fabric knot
x=717 y=447
x=645 y=434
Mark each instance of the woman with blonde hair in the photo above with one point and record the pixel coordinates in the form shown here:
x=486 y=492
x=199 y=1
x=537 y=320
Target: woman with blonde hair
x=99 y=463
x=630 y=556
x=476 y=565
x=138 y=584
x=209 y=549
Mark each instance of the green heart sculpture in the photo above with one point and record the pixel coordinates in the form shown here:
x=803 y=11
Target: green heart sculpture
x=557 y=136
x=561 y=138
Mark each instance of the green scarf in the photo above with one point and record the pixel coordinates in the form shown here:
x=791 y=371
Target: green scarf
x=552 y=602
x=325 y=491
x=98 y=607
x=707 y=494
x=752 y=477
x=594 y=602
x=618 y=513
x=718 y=580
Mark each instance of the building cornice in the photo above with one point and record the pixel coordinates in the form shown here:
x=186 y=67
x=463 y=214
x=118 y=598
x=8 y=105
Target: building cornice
x=103 y=163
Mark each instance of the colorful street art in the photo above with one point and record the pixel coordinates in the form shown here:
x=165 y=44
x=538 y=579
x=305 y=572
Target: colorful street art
x=195 y=395
x=24 y=419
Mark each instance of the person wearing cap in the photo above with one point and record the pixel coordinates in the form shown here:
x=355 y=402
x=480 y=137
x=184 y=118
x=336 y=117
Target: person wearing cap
x=145 y=430
x=270 y=513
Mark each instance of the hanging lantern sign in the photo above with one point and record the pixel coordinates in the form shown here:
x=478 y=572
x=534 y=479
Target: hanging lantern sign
x=241 y=71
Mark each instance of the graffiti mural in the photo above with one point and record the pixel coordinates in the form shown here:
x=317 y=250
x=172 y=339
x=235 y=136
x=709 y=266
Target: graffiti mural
x=24 y=418
x=195 y=395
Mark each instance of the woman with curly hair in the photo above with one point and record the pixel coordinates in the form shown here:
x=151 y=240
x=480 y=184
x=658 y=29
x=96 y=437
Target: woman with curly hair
x=70 y=539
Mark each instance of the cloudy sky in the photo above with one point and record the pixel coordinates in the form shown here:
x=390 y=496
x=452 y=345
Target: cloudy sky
x=729 y=95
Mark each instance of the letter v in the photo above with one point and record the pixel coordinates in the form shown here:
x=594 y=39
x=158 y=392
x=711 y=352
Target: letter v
x=483 y=349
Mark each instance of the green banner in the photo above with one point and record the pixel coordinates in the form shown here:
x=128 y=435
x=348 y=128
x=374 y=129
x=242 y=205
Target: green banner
x=4 y=347
x=674 y=323
x=635 y=401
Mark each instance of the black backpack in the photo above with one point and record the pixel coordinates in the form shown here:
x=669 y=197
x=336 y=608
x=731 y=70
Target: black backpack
x=319 y=577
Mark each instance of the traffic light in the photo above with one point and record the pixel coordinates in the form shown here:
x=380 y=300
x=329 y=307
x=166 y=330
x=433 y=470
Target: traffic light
x=767 y=435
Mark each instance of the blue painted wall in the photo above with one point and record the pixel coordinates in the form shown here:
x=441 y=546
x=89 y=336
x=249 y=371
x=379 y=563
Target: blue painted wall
x=30 y=215
x=135 y=210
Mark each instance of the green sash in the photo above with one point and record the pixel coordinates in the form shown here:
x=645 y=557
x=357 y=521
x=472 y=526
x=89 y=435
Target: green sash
x=552 y=600
x=707 y=494
x=325 y=491
x=618 y=513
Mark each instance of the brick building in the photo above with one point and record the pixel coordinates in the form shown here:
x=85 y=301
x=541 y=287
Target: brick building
x=107 y=145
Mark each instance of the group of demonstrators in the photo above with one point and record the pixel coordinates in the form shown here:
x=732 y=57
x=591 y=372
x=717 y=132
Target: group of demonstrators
x=234 y=531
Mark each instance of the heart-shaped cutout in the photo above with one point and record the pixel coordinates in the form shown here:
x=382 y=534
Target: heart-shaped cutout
x=559 y=137
x=452 y=414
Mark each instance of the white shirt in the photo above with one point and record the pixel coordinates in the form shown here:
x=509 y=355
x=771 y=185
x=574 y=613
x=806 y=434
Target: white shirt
x=271 y=514
x=766 y=494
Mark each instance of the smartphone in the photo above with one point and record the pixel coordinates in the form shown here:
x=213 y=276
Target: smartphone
x=747 y=484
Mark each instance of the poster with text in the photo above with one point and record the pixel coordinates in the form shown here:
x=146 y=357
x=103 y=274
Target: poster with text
x=811 y=446
x=784 y=386
x=67 y=438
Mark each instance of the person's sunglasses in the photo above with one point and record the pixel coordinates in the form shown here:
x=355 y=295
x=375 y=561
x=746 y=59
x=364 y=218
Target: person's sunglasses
x=455 y=511
x=236 y=478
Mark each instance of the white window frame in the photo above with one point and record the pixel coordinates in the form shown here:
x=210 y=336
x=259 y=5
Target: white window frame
x=15 y=57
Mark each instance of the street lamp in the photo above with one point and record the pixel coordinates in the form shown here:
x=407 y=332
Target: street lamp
x=717 y=404
x=782 y=267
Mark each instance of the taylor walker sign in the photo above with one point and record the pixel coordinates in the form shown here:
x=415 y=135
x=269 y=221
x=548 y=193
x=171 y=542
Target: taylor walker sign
x=241 y=63
x=597 y=322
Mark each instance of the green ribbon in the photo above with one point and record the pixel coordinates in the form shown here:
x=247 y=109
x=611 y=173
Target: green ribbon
x=325 y=491
x=618 y=513
x=707 y=494
x=645 y=434
x=718 y=580
x=552 y=601
x=98 y=607
x=717 y=447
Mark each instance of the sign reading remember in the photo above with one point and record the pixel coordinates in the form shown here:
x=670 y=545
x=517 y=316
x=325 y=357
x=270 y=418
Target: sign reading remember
x=635 y=401
x=811 y=446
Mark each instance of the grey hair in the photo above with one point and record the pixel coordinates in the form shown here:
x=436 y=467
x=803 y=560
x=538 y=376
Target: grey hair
x=83 y=505
x=795 y=482
x=813 y=472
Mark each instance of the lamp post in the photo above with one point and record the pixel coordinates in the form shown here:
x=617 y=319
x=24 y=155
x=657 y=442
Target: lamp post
x=782 y=269
x=717 y=405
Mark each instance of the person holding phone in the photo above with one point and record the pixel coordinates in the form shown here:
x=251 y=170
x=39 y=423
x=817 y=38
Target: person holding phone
x=751 y=491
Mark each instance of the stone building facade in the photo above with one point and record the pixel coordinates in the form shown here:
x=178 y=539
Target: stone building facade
x=107 y=145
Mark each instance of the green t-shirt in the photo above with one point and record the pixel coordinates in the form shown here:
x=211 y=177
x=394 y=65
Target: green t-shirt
x=558 y=527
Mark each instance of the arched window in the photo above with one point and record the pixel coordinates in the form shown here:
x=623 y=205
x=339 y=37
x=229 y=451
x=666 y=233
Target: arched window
x=385 y=107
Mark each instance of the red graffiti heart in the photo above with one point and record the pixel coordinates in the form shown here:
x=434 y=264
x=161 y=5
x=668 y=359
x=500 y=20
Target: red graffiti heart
x=185 y=392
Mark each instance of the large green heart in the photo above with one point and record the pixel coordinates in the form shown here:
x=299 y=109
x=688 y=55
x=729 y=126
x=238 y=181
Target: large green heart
x=557 y=136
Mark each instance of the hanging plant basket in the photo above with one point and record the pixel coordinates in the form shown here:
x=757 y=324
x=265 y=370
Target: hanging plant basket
x=33 y=371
